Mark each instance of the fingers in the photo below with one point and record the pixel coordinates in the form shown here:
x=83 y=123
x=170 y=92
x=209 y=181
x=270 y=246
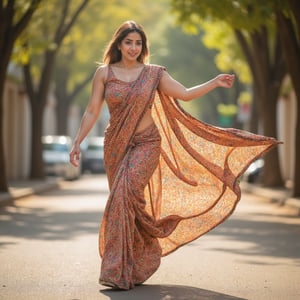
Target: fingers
x=74 y=158
x=229 y=79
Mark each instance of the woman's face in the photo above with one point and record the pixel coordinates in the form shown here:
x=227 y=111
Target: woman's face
x=131 y=46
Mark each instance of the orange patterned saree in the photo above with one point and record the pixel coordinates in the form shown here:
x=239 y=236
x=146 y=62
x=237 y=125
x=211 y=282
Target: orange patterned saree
x=170 y=183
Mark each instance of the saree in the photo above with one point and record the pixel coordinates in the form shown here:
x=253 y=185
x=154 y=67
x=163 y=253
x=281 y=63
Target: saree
x=169 y=183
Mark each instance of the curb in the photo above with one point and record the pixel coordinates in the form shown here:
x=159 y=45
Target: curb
x=281 y=196
x=33 y=187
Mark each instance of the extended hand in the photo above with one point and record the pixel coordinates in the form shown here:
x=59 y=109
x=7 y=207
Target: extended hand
x=225 y=80
x=74 y=155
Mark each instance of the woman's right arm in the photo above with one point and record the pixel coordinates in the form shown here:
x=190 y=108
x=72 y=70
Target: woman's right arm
x=91 y=113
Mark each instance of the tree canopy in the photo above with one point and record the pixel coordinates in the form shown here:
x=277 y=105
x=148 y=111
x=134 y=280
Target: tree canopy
x=254 y=28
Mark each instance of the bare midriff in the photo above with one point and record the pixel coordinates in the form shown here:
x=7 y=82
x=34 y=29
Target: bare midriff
x=146 y=121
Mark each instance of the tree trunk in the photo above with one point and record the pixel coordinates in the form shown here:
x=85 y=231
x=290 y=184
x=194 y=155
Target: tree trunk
x=3 y=179
x=291 y=48
x=6 y=50
x=62 y=112
x=296 y=185
x=267 y=77
x=37 y=164
x=9 y=32
x=6 y=47
x=38 y=104
x=65 y=97
x=255 y=113
x=62 y=76
x=38 y=98
x=272 y=174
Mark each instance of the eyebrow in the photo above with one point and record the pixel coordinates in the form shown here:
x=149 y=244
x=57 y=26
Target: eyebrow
x=127 y=39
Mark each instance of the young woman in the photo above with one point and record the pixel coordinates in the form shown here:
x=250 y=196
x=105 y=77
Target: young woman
x=172 y=178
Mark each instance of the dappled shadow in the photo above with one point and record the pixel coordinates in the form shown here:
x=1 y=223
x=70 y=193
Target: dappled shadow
x=72 y=192
x=279 y=215
x=39 y=223
x=266 y=238
x=48 y=222
x=166 y=292
x=3 y=244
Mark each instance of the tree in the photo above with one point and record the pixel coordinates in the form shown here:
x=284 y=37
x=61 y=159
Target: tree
x=76 y=61
x=81 y=52
x=229 y=58
x=253 y=25
x=14 y=18
x=268 y=69
x=288 y=24
x=190 y=62
x=38 y=89
x=65 y=95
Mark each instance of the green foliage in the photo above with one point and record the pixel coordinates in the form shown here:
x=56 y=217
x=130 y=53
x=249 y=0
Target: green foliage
x=188 y=61
x=218 y=35
x=20 y=7
x=227 y=110
x=219 y=19
x=241 y=14
x=39 y=36
x=245 y=98
x=185 y=56
x=83 y=49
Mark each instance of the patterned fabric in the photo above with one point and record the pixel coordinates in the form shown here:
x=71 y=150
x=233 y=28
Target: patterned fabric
x=170 y=183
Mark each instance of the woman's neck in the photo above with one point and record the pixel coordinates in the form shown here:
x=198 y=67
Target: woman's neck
x=128 y=64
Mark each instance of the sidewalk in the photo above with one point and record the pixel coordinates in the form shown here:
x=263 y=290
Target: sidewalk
x=281 y=196
x=23 y=188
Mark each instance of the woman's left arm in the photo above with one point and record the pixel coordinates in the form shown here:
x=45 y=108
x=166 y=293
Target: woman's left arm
x=173 y=88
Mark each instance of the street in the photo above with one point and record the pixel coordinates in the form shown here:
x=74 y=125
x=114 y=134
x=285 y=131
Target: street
x=49 y=250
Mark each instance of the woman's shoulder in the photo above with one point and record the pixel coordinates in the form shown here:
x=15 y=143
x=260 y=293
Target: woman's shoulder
x=102 y=73
x=156 y=70
x=156 y=67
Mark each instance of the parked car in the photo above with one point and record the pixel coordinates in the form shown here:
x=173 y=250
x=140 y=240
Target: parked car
x=92 y=155
x=254 y=173
x=56 y=157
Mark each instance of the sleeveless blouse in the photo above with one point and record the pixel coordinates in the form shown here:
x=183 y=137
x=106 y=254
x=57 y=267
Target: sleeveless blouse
x=117 y=89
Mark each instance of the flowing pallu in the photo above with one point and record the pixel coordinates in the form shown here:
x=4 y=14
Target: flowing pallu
x=170 y=183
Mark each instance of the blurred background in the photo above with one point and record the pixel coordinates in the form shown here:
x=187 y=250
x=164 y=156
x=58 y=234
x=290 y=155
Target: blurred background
x=51 y=49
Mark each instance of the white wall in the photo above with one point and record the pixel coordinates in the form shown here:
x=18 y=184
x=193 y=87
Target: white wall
x=16 y=131
x=286 y=115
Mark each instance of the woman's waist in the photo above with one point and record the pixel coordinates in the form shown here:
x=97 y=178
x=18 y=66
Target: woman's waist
x=148 y=134
x=145 y=122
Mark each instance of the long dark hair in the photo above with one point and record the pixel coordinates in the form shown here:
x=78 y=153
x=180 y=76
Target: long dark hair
x=113 y=54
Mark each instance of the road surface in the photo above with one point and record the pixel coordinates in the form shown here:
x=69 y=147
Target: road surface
x=49 y=250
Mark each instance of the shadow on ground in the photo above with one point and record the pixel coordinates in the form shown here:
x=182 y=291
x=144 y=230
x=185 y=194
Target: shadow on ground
x=42 y=223
x=39 y=223
x=266 y=238
x=72 y=192
x=166 y=292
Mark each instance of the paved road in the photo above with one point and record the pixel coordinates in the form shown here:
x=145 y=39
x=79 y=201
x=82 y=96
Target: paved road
x=48 y=250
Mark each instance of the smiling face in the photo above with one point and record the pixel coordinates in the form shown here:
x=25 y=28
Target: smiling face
x=129 y=42
x=131 y=46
